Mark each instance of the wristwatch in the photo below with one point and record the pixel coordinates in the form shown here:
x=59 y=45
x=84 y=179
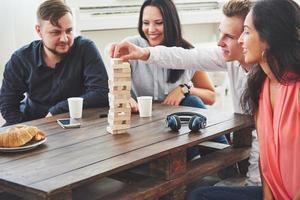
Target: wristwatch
x=185 y=88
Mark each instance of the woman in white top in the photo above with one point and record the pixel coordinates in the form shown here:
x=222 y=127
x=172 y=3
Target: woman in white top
x=159 y=25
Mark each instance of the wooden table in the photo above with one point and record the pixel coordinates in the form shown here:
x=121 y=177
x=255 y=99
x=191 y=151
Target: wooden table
x=89 y=163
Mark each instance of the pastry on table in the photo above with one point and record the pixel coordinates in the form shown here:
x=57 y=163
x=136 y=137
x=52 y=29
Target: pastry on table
x=20 y=135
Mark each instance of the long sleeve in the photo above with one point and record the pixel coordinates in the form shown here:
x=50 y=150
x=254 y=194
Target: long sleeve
x=95 y=92
x=12 y=91
x=206 y=59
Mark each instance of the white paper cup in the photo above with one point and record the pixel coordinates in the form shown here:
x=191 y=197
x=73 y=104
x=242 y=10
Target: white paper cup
x=75 y=107
x=145 y=106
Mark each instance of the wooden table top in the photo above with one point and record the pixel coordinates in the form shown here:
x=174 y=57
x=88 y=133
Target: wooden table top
x=73 y=157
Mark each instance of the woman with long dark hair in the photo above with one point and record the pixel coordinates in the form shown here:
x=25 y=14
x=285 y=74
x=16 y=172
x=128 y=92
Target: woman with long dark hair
x=159 y=25
x=271 y=39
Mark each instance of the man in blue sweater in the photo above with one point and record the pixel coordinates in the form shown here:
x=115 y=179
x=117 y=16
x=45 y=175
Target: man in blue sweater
x=40 y=77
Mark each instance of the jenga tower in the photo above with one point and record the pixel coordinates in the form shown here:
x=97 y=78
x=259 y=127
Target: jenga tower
x=119 y=95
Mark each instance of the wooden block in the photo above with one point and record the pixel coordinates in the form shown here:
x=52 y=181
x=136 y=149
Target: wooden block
x=117 y=109
x=114 y=123
x=119 y=97
x=116 y=61
x=121 y=74
x=119 y=124
x=113 y=101
x=119 y=88
x=119 y=83
x=120 y=127
x=120 y=110
x=118 y=117
x=119 y=114
x=124 y=104
x=113 y=88
x=119 y=121
x=121 y=92
x=121 y=79
x=108 y=129
x=124 y=65
x=121 y=70
x=122 y=107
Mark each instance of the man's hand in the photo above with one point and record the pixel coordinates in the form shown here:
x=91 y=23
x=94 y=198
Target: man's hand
x=175 y=97
x=134 y=106
x=49 y=115
x=128 y=51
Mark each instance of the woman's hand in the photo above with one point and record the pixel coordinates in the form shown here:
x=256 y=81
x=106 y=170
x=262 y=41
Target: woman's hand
x=128 y=51
x=267 y=193
x=133 y=105
x=174 y=97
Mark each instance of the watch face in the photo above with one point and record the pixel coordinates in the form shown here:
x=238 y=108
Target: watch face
x=185 y=90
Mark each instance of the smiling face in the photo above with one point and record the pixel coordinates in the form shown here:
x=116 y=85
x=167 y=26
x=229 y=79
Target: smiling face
x=230 y=30
x=59 y=39
x=253 y=47
x=153 y=25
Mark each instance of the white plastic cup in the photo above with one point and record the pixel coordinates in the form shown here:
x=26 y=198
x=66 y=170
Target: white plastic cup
x=75 y=107
x=145 y=106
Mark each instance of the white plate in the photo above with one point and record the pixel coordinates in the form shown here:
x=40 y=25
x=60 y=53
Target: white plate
x=26 y=147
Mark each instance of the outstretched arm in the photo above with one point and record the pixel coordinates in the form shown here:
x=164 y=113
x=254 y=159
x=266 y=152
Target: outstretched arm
x=128 y=51
x=207 y=59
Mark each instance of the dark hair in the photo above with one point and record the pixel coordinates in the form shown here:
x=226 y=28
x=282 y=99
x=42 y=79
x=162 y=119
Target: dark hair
x=237 y=8
x=278 y=24
x=172 y=30
x=52 y=10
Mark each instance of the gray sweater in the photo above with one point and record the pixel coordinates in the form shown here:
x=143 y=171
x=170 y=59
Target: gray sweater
x=149 y=80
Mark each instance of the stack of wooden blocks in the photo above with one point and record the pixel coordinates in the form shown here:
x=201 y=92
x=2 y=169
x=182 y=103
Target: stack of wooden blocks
x=119 y=94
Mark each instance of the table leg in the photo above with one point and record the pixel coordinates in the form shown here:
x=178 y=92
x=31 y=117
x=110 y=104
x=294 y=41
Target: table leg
x=178 y=194
x=243 y=138
x=170 y=167
x=65 y=194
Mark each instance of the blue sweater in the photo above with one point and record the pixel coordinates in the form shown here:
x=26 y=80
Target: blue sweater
x=30 y=89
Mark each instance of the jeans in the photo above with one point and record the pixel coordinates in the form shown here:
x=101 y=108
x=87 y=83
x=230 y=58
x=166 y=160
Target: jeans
x=194 y=101
x=226 y=193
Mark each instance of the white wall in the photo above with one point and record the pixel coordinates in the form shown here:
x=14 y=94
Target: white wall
x=17 y=19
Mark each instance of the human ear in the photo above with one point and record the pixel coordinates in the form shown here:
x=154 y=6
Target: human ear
x=38 y=30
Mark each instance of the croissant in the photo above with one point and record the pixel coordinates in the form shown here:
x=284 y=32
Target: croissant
x=20 y=135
